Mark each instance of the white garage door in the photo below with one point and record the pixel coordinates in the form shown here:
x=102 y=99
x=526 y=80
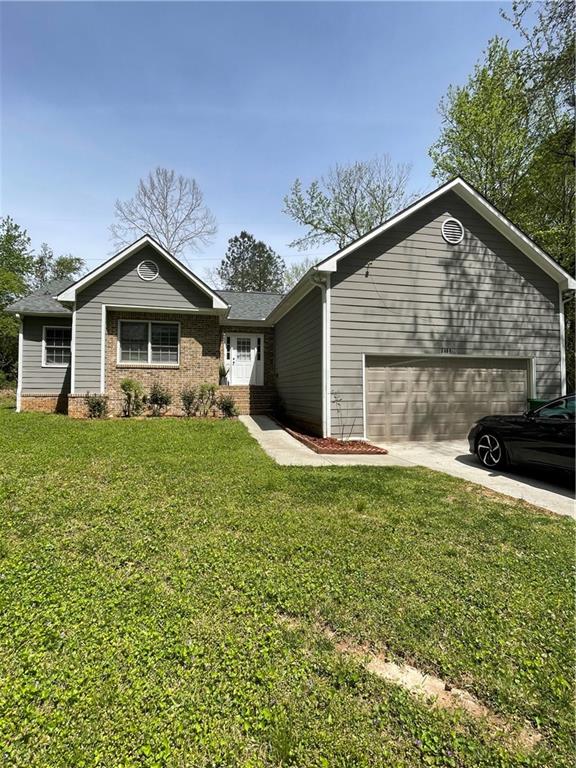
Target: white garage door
x=439 y=398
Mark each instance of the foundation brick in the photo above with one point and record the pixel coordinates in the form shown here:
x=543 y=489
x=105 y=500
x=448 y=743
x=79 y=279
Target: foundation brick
x=44 y=403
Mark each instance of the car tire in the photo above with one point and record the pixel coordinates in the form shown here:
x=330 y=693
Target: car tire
x=491 y=451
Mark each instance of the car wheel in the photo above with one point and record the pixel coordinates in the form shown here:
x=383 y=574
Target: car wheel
x=490 y=450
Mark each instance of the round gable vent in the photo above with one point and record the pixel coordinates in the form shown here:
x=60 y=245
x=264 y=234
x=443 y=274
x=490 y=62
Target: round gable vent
x=147 y=270
x=452 y=231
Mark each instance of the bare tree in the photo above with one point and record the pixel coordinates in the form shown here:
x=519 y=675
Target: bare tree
x=348 y=201
x=296 y=271
x=168 y=207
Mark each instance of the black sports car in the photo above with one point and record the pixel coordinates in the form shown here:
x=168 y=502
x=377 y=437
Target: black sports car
x=543 y=436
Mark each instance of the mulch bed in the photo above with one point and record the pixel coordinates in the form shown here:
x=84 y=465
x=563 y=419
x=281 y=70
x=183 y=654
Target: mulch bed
x=333 y=445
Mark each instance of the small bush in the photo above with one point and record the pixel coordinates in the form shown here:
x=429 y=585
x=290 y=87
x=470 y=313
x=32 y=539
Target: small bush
x=206 y=399
x=6 y=382
x=133 y=397
x=96 y=405
x=159 y=399
x=188 y=396
x=227 y=406
x=223 y=374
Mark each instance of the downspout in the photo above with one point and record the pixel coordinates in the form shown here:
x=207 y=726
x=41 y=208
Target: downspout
x=20 y=359
x=564 y=299
x=322 y=280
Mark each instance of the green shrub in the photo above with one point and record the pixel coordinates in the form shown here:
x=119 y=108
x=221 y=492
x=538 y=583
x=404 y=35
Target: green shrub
x=159 y=399
x=133 y=397
x=5 y=382
x=96 y=405
x=206 y=399
x=223 y=374
x=227 y=406
x=189 y=398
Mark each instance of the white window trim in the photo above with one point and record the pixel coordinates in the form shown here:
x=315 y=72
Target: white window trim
x=45 y=364
x=149 y=363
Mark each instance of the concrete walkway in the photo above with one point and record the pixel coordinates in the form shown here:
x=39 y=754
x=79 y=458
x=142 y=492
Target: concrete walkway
x=286 y=450
x=541 y=488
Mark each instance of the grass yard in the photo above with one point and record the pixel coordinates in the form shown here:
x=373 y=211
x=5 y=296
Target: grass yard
x=164 y=585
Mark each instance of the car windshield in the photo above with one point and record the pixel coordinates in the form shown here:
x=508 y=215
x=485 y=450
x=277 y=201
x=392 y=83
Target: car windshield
x=559 y=409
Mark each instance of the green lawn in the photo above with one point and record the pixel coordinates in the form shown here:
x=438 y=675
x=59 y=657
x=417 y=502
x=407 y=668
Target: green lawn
x=147 y=567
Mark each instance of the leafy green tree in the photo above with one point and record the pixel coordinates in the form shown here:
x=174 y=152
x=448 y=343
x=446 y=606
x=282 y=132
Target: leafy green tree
x=510 y=132
x=21 y=271
x=251 y=265
x=348 y=201
x=46 y=266
x=16 y=260
x=487 y=133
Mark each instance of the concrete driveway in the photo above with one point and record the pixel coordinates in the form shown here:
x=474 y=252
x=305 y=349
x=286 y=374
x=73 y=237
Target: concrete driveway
x=543 y=488
x=551 y=491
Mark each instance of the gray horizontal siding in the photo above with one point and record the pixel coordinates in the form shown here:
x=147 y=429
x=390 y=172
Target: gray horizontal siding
x=121 y=286
x=409 y=292
x=35 y=378
x=299 y=361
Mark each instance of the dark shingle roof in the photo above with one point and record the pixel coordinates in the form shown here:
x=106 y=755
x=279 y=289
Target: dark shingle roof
x=243 y=306
x=251 y=305
x=42 y=301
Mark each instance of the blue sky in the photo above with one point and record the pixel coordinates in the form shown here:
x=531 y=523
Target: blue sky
x=243 y=96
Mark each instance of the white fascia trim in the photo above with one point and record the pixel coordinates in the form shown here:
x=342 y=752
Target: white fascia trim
x=20 y=361
x=70 y=293
x=226 y=321
x=562 y=321
x=301 y=289
x=42 y=314
x=73 y=354
x=167 y=310
x=103 y=350
x=485 y=209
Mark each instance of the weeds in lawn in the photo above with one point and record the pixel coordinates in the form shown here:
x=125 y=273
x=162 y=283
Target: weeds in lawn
x=144 y=567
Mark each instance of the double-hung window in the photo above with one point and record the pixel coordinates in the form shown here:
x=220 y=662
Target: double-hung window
x=57 y=345
x=148 y=342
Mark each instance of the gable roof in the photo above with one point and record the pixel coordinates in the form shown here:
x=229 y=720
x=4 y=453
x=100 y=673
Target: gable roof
x=479 y=203
x=42 y=301
x=250 y=305
x=69 y=293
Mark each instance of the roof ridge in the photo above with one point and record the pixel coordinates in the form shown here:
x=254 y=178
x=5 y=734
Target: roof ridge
x=262 y=293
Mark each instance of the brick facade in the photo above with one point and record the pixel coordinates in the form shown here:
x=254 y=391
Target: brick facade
x=199 y=357
x=44 y=403
x=201 y=352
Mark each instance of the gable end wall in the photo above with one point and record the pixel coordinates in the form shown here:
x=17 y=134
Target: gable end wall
x=408 y=292
x=121 y=286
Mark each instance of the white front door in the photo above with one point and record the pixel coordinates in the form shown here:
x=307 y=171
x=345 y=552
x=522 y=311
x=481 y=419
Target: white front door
x=246 y=364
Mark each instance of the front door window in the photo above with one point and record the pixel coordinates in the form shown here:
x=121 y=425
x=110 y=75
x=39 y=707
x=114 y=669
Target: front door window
x=243 y=349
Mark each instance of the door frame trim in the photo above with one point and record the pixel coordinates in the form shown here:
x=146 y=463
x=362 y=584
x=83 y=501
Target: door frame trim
x=255 y=336
x=530 y=372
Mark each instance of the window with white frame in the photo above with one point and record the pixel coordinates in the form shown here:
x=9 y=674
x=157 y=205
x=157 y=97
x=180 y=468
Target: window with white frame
x=57 y=345
x=141 y=341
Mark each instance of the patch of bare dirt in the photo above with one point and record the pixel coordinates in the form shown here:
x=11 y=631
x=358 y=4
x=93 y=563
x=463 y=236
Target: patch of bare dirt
x=435 y=691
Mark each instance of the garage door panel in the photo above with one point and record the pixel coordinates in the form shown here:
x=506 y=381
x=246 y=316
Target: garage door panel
x=439 y=398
